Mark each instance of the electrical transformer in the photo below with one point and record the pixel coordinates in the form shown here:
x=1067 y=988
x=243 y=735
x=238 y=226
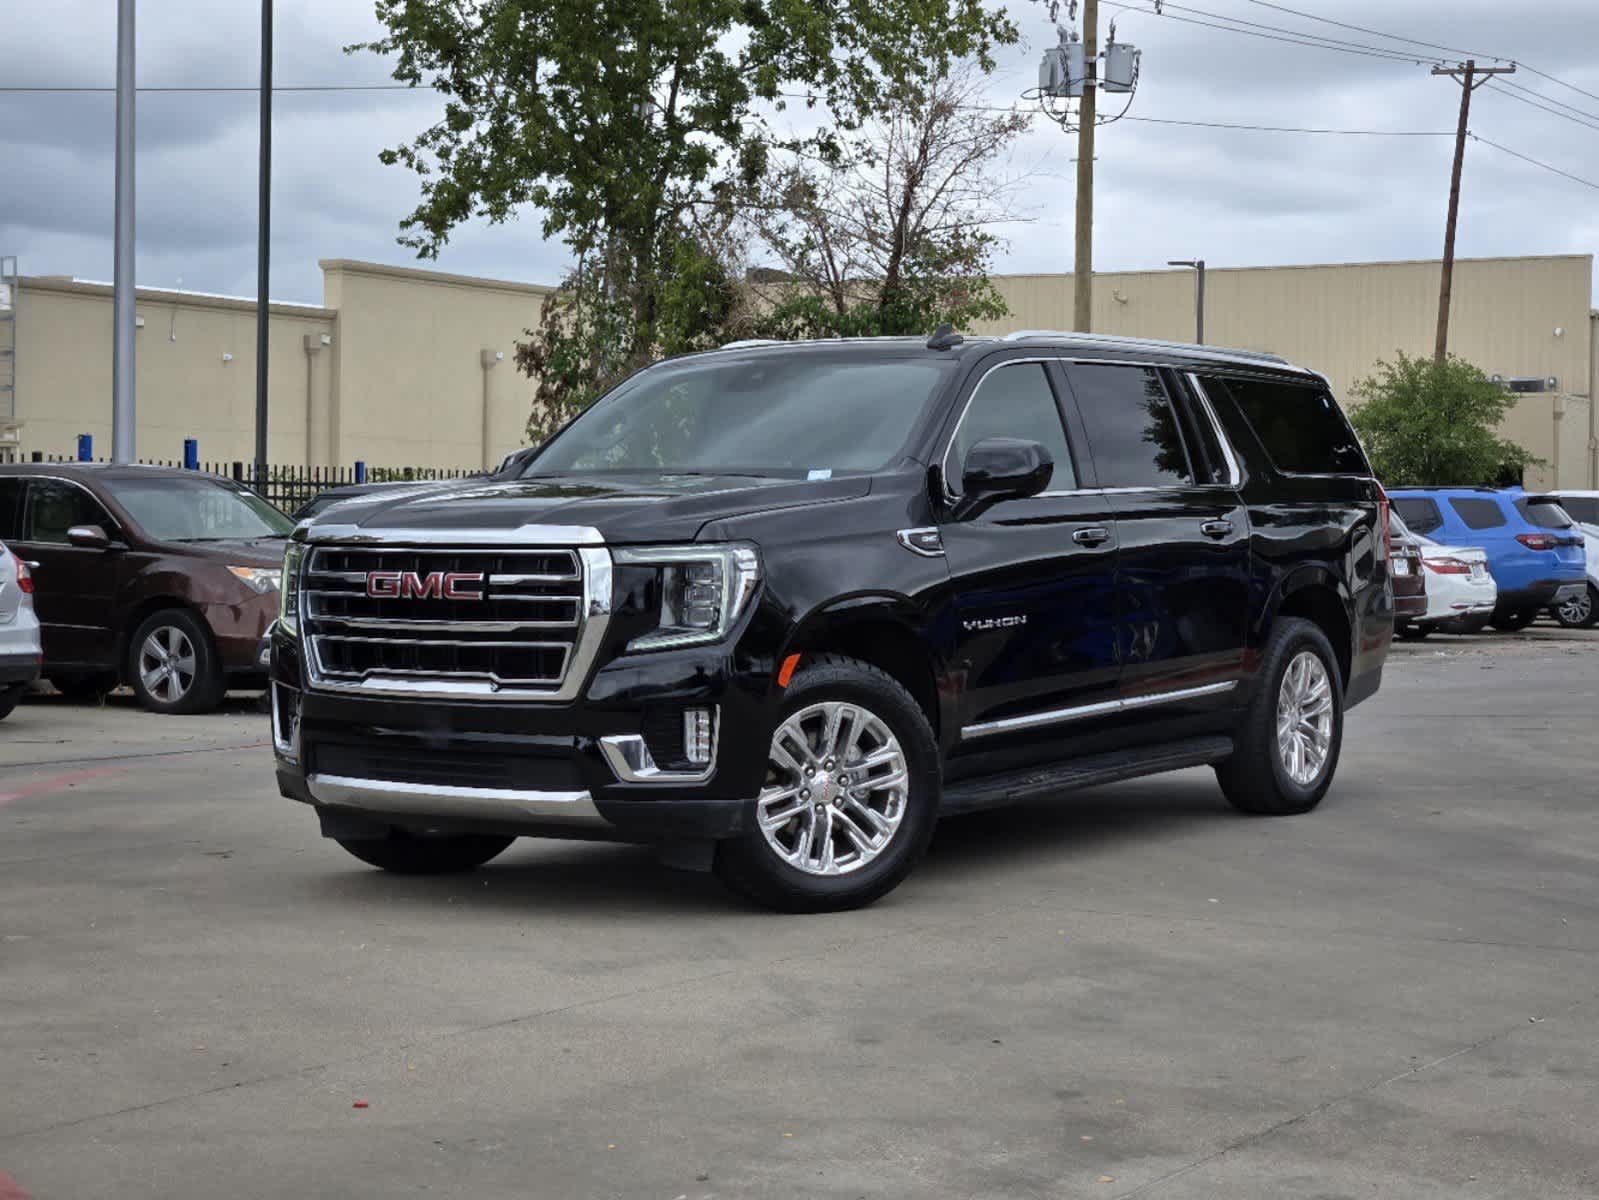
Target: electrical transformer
x=1121 y=67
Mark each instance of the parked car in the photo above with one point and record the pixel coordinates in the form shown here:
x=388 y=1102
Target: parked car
x=1581 y=612
x=1460 y=588
x=328 y=497
x=1410 y=580
x=780 y=607
x=20 y=654
x=164 y=578
x=1534 y=553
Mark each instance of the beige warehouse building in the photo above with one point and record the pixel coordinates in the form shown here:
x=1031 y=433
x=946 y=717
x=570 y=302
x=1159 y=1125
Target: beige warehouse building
x=405 y=367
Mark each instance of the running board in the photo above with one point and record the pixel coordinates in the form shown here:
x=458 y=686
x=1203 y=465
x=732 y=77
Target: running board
x=1035 y=783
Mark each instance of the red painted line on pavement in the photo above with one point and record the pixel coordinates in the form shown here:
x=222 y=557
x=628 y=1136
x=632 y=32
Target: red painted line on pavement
x=56 y=783
x=10 y=1189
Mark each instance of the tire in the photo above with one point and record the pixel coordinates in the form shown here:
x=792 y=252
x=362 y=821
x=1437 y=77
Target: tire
x=89 y=689
x=1257 y=779
x=413 y=854
x=782 y=863
x=173 y=665
x=1513 y=622
x=1412 y=632
x=1578 y=614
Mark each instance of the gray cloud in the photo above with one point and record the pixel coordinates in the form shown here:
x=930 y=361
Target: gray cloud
x=1235 y=197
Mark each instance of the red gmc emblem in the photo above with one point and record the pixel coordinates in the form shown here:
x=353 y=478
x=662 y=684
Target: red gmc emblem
x=435 y=585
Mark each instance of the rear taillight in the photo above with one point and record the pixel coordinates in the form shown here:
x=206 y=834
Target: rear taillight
x=1384 y=515
x=1538 y=541
x=1447 y=566
x=24 y=576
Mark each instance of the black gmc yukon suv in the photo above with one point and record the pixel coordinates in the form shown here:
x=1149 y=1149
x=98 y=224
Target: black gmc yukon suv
x=779 y=607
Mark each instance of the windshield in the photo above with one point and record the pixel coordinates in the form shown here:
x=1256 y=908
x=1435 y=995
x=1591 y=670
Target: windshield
x=811 y=412
x=172 y=509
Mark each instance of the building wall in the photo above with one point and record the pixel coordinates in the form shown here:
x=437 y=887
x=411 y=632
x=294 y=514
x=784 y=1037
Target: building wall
x=185 y=388
x=410 y=364
x=1340 y=319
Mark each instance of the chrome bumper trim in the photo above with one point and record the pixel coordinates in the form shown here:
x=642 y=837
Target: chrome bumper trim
x=630 y=760
x=433 y=800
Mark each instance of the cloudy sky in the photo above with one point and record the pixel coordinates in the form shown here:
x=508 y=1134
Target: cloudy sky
x=1234 y=197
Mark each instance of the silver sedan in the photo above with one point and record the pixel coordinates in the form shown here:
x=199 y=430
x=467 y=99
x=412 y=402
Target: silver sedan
x=20 y=653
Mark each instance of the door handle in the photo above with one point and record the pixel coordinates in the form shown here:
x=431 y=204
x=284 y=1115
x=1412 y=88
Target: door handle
x=1092 y=535
x=29 y=563
x=1216 y=529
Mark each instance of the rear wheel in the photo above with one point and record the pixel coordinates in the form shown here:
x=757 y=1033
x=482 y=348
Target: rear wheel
x=420 y=854
x=851 y=794
x=1288 y=742
x=173 y=665
x=1511 y=622
x=1580 y=613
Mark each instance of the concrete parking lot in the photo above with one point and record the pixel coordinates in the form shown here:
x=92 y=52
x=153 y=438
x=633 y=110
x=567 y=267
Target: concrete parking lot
x=1131 y=992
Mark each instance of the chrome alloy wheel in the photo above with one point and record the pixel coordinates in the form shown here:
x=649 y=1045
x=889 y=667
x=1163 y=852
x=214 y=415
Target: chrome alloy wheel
x=167 y=663
x=1578 y=609
x=1305 y=718
x=836 y=789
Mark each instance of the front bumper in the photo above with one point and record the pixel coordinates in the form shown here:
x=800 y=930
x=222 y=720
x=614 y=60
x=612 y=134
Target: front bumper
x=527 y=769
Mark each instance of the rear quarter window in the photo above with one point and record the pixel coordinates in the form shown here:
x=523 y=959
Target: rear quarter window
x=1479 y=513
x=1544 y=514
x=1300 y=426
x=1420 y=513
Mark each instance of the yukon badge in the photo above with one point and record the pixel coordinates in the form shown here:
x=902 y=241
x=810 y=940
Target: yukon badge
x=993 y=623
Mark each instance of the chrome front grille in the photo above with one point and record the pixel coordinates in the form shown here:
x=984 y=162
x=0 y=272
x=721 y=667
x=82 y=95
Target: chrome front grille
x=453 y=621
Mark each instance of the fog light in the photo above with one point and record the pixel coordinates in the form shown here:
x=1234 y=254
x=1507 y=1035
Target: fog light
x=697 y=736
x=286 y=722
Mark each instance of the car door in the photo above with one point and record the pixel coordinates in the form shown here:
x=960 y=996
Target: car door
x=73 y=587
x=1182 y=567
x=1030 y=621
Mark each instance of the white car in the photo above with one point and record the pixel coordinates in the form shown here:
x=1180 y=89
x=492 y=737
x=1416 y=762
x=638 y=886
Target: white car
x=1461 y=592
x=1583 y=508
x=20 y=653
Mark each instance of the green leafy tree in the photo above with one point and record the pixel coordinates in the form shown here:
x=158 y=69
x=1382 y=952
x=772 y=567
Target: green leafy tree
x=1431 y=424
x=892 y=234
x=632 y=125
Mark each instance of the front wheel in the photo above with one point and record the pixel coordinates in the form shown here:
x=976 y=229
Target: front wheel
x=850 y=798
x=173 y=665
x=1581 y=612
x=416 y=854
x=1288 y=742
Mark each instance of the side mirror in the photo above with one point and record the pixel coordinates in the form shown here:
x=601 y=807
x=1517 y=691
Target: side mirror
x=88 y=537
x=1003 y=469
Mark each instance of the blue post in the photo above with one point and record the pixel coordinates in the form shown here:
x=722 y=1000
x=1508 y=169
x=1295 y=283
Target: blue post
x=86 y=447
x=191 y=454
x=360 y=471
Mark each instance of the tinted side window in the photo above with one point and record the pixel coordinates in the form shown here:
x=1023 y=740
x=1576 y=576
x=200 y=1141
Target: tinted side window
x=55 y=507
x=1582 y=508
x=1014 y=402
x=1478 y=514
x=1420 y=514
x=1545 y=514
x=10 y=504
x=1300 y=427
x=1132 y=430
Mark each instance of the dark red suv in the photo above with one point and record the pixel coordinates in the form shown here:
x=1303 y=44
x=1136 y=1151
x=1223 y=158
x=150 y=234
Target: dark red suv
x=161 y=578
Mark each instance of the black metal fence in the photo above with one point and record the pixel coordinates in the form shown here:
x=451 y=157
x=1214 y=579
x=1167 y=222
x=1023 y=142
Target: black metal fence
x=286 y=486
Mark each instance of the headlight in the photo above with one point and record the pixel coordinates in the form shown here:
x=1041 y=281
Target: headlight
x=289 y=593
x=704 y=590
x=257 y=579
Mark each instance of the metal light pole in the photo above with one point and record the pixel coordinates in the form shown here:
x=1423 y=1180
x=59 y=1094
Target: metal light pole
x=1198 y=265
x=263 y=251
x=122 y=298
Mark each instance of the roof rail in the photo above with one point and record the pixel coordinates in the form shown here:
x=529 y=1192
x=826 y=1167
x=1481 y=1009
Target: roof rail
x=1022 y=335
x=747 y=342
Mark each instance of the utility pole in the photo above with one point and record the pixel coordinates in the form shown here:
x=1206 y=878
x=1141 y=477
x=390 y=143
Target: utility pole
x=263 y=247
x=1466 y=74
x=123 y=380
x=1083 y=271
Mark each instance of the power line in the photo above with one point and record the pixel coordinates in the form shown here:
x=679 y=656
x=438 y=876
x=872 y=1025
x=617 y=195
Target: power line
x=1549 y=99
x=1296 y=128
x=1535 y=162
x=293 y=87
x=1301 y=40
x=1561 y=82
x=1393 y=37
x=1575 y=120
x=1328 y=42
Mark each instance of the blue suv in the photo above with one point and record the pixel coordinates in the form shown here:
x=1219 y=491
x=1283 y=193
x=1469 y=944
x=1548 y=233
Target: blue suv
x=1535 y=551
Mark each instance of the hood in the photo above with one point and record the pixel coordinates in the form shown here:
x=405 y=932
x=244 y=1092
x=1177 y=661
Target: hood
x=625 y=508
x=237 y=552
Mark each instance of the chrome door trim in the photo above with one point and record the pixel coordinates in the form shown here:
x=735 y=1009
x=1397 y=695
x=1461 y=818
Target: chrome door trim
x=943 y=460
x=1235 y=474
x=1079 y=712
